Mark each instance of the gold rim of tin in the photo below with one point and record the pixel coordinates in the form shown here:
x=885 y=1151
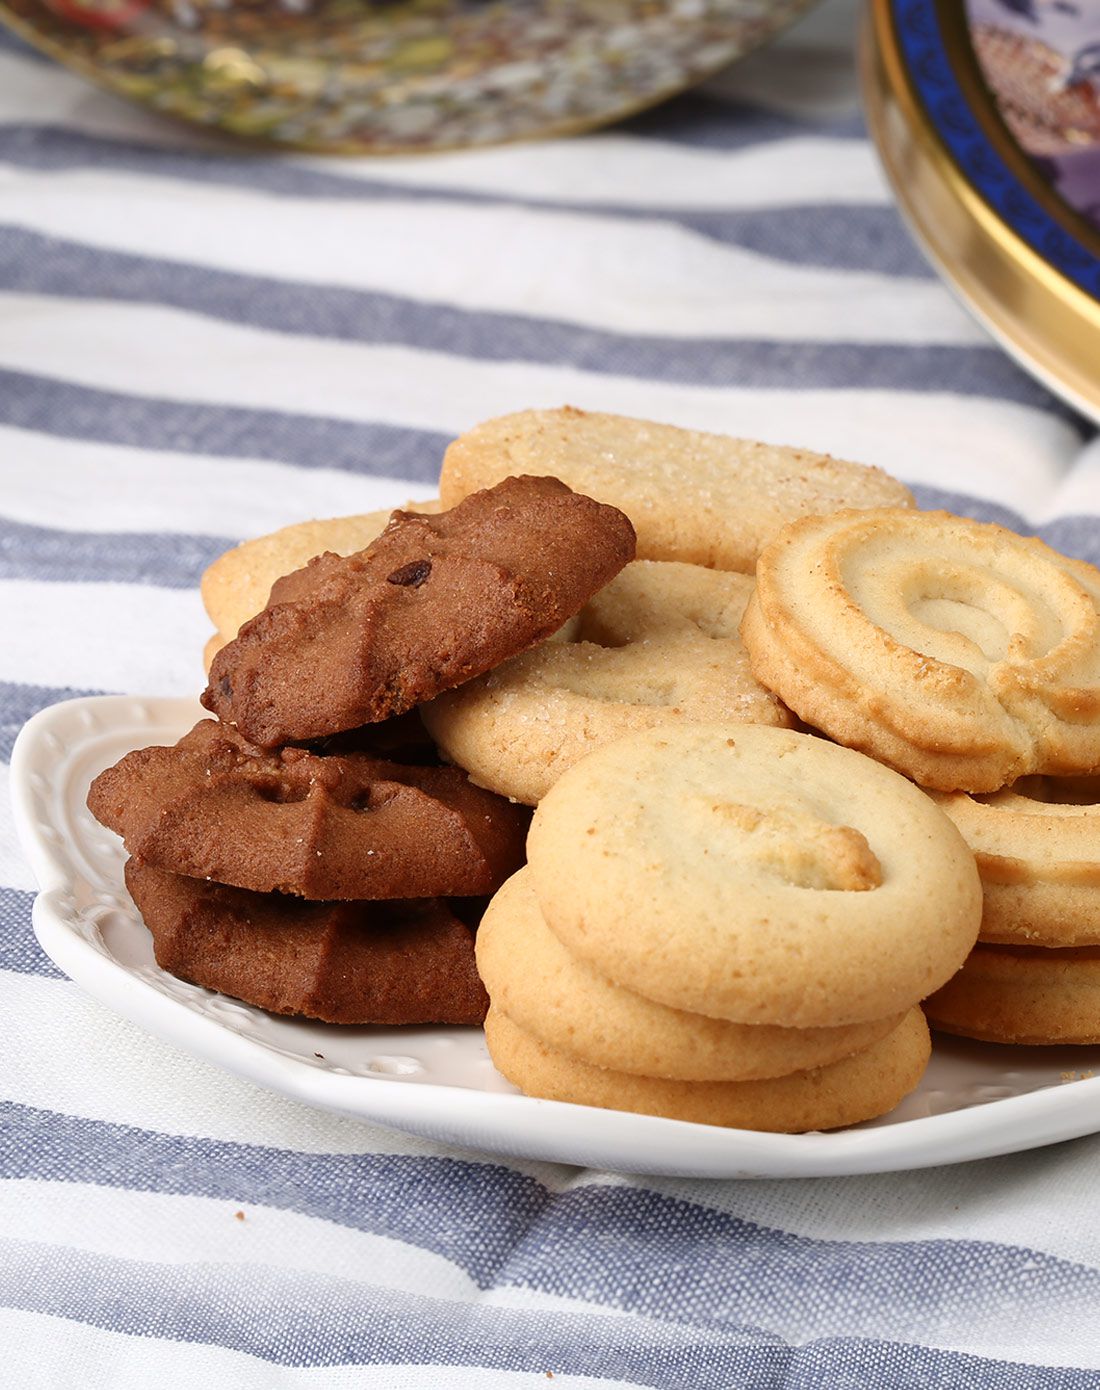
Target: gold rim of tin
x=1042 y=318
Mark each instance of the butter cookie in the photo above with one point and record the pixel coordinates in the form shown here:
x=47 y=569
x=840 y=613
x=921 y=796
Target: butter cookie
x=706 y=499
x=562 y=1002
x=1030 y=995
x=859 y=1087
x=1037 y=844
x=658 y=645
x=956 y=651
x=754 y=874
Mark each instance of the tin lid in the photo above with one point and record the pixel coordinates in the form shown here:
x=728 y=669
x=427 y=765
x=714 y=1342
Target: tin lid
x=987 y=117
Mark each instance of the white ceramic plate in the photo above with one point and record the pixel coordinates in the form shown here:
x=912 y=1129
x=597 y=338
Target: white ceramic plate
x=975 y=1100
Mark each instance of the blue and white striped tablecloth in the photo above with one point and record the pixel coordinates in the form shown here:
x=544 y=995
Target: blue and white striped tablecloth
x=197 y=345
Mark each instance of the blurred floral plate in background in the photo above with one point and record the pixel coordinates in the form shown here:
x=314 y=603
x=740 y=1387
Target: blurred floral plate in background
x=402 y=75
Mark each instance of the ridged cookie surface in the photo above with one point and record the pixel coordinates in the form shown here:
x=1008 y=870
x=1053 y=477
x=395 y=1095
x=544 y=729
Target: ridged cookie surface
x=434 y=601
x=859 y=1087
x=569 y=1007
x=659 y=645
x=320 y=826
x=237 y=585
x=707 y=499
x=956 y=651
x=403 y=962
x=754 y=874
x=1037 y=844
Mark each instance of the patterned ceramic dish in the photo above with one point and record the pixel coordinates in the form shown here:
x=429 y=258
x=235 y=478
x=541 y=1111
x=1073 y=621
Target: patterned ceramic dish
x=406 y=75
x=987 y=118
x=975 y=1100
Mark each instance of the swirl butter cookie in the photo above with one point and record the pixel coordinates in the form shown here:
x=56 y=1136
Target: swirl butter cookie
x=706 y=499
x=959 y=653
x=658 y=645
x=1037 y=844
x=572 y=1009
x=321 y=826
x=858 y=1087
x=433 y=602
x=395 y=962
x=237 y=585
x=754 y=874
x=1030 y=995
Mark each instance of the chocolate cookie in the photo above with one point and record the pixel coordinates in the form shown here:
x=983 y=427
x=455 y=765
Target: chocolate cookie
x=433 y=602
x=363 y=962
x=335 y=826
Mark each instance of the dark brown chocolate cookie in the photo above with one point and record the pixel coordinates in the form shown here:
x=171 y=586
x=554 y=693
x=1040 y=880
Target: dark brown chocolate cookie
x=364 y=962
x=320 y=826
x=433 y=602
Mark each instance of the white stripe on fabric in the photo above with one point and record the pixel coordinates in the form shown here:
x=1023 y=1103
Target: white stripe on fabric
x=1077 y=493
x=624 y=170
x=129 y=637
x=174 y=1229
x=75 y=484
x=42 y=1352
x=170 y=354
x=634 y=277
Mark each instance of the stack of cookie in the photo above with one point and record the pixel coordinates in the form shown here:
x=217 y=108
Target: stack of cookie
x=968 y=658
x=305 y=851
x=1035 y=976
x=727 y=925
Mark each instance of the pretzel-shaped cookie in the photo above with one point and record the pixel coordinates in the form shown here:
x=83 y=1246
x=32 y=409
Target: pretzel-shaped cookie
x=958 y=652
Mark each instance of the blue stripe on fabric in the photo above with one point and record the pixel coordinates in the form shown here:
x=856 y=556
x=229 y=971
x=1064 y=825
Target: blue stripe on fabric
x=18 y=702
x=305 y=1319
x=1072 y=535
x=166 y=559
x=19 y=949
x=32 y=263
x=309 y=441
x=602 y=1244
x=834 y=236
x=438 y=1204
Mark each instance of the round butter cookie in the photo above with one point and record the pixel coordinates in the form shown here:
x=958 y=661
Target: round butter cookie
x=860 y=1087
x=236 y=586
x=959 y=653
x=570 y=1008
x=706 y=499
x=1032 y=995
x=754 y=874
x=1037 y=844
x=658 y=645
